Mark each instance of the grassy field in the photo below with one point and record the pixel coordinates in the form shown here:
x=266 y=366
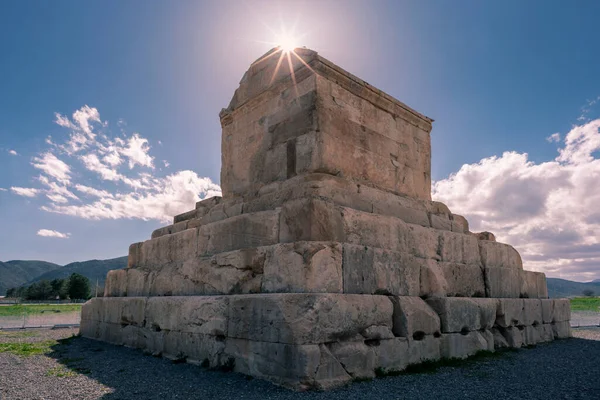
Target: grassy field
x=20 y=309
x=585 y=304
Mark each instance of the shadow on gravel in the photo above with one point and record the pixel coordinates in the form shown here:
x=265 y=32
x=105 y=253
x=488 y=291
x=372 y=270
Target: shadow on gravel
x=562 y=369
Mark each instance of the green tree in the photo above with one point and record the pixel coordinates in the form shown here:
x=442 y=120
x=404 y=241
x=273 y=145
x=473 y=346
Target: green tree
x=57 y=285
x=79 y=287
x=588 y=292
x=11 y=292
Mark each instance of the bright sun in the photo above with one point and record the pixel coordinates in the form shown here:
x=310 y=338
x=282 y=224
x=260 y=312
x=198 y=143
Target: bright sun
x=287 y=43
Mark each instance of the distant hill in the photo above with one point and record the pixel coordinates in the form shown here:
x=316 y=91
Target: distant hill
x=564 y=288
x=93 y=269
x=596 y=280
x=18 y=272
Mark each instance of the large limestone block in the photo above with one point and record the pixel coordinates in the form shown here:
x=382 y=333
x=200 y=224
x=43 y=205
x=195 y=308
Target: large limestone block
x=238 y=271
x=545 y=332
x=533 y=285
x=391 y=355
x=513 y=336
x=133 y=310
x=135 y=255
x=246 y=230
x=510 y=313
x=368 y=270
x=357 y=358
x=562 y=310
x=306 y=318
x=532 y=312
x=414 y=318
x=459 y=248
x=426 y=349
x=494 y=254
x=172 y=248
x=330 y=372
x=116 y=283
x=433 y=280
x=138 y=282
x=453 y=279
x=200 y=348
x=310 y=220
x=547 y=310
x=502 y=282
x=314 y=267
x=464 y=314
x=458 y=345
x=133 y=336
x=531 y=335
x=194 y=314
x=389 y=233
x=286 y=364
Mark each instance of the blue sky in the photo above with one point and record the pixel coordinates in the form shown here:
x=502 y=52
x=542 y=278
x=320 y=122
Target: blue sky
x=496 y=77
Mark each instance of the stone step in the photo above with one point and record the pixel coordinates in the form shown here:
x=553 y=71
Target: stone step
x=320 y=341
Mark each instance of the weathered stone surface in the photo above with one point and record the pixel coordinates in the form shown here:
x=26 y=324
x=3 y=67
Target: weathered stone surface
x=135 y=255
x=433 y=280
x=441 y=222
x=314 y=267
x=392 y=355
x=458 y=345
x=533 y=285
x=310 y=219
x=357 y=358
x=368 y=270
x=197 y=347
x=330 y=372
x=306 y=318
x=286 y=364
x=485 y=236
x=462 y=280
x=116 y=283
x=562 y=310
x=176 y=247
x=414 y=318
x=532 y=312
x=246 y=230
x=510 y=313
x=194 y=314
x=426 y=349
x=459 y=224
x=547 y=310
x=459 y=248
x=502 y=282
x=464 y=314
x=495 y=254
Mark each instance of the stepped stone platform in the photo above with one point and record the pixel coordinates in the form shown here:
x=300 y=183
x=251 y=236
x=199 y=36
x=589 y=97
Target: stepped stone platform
x=326 y=259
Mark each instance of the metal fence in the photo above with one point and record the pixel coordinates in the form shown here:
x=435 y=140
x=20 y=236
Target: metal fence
x=50 y=317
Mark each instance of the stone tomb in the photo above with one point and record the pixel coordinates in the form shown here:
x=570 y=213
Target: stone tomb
x=326 y=259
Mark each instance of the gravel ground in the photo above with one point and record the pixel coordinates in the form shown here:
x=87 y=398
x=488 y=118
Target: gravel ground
x=566 y=369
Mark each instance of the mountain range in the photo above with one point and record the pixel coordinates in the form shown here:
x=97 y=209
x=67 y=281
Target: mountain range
x=22 y=272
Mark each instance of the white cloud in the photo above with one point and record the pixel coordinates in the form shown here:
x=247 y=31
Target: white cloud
x=92 y=191
x=554 y=138
x=3 y=190
x=54 y=234
x=137 y=151
x=25 y=192
x=13 y=152
x=51 y=165
x=93 y=163
x=548 y=211
x=170 y=196
x=166 y=163
x=128 y=187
